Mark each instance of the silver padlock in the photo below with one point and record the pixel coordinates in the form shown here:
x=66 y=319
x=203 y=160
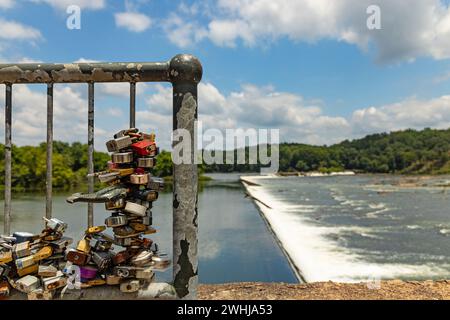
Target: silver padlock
x=136 y=209
x=4 y=270
x=100 y=245
x=156 y=184
x=47 y=271
x=147 y=220
x=21 y=250
x=146 y=162
x=122 y=157
x=160 y=262
x=55 y=282
x=24 y=237
x=56 y=224
x=101 y=259
x=119 y=143
x=40 y=294
x=143 y=259
x=140 y=179
x=125 y=271
x=115 y=204
x=25 y=262
x=123 y=242
x=145 y=273
x=116 y=221
x=123 y=133
x=27 y=284
x=62 y=243
x=108 y=177
x=130 y=286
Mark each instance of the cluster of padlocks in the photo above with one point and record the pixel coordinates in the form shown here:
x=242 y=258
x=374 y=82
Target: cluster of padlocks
x=32 y=263
x=130 y=194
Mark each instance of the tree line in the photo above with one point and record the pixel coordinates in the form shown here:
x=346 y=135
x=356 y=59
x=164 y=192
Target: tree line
x=401 y=152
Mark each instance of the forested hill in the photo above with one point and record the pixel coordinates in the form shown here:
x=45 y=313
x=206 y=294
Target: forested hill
x=403 y=152
x=406 y=152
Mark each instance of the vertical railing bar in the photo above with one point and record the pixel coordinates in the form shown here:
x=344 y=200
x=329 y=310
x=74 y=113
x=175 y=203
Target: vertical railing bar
x=132 y=104
x=49 y=176
x=8 y=159
x=90 y=160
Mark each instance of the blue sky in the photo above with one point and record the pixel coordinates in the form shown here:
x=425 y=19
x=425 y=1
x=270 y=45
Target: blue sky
x=311 y=68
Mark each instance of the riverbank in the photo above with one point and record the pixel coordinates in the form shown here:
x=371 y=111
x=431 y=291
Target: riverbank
x=387 y=290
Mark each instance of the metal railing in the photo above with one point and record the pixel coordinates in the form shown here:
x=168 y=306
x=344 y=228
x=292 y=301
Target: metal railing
x=184 y=72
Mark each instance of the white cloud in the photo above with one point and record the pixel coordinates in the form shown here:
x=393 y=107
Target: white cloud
x=6 y=4
x=83 y=4
x=133 y=21
x=409 y=30
x=251 y=106
x=30 y=115
x=12 y=30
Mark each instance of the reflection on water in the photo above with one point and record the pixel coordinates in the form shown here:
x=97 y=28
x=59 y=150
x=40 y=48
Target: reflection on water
x=234 y=244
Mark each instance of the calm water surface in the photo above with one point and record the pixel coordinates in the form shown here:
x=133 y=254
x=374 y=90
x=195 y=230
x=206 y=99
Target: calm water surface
x=234 y=244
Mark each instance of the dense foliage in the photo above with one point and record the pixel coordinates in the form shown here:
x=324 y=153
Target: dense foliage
x=404 y=152
x=410 y=151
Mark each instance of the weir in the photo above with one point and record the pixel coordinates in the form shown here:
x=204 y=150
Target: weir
x=184 y=72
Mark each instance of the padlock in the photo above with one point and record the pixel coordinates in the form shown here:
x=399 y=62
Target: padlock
x=123 y=231
x=55 y=282
x=115 y=204
x=47 y=271
x=123 y=242
x=130 y=286
x=108 y=176
x=4 y=290
x=104 y=195
x=125 y=271
x=140 y=179
x=88 y=273
x=25 y=262
x=4 y=270
x=62 y=243
x=55 y=224
x=100 y=245
x=122 y=157
x=146 y=136
x=146 y=195
x=146 y=162
x=96 y=229
x=147 y=220
x=111 y=165
x=77 y=257
x=123 y=172
x=116 y=221
x=93 y=283
x=144 y=148
x=119 y=143
x=27 y=284
x=40 y=294
x=126 y=132
x=138 y=226
x=103 y=236
x=24 y=237
x=120 y=257
x=28 y=270
x=6 y=257
x=160 y=262
x=144 y=258
x=101 y=259
x=21 y=250
x=145 y=274
x=156 y=184
x=43 y=253
x=113 y=280
x=84 y=246
x=52 y=237
x=136 y=209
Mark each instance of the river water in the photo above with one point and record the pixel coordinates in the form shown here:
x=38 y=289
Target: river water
x=234 y=242
x=353 y=228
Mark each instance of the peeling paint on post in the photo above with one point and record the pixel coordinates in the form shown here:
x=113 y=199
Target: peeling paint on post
x=185 y=73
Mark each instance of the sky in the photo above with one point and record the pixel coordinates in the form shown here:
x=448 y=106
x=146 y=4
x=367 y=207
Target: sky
x=311 y=68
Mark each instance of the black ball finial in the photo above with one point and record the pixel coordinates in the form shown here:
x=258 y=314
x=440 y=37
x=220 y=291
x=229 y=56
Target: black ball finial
x=185 y=68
